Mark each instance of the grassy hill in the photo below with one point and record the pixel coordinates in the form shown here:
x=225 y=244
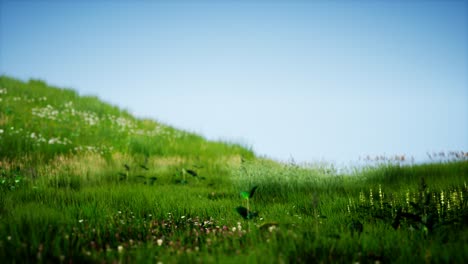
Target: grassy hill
x=48 y=125
x=84 y=181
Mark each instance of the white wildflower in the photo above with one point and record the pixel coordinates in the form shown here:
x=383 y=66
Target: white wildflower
x=160 y=242
x=271 y=228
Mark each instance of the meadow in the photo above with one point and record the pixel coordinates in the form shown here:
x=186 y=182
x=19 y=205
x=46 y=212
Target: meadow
x=82 y=181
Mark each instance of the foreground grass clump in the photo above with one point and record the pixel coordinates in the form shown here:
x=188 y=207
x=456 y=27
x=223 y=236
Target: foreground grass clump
x=87 y=182
x=336 y=219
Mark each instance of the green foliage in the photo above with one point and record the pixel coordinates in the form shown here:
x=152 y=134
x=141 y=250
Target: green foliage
x=425 y=210
x=10 y=179
x=250 y=194
x=246 y=213
x=42 y=122
x=83 y=181
x=245 y=195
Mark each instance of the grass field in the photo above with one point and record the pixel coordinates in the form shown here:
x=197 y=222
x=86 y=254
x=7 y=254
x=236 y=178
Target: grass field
x=83 y=181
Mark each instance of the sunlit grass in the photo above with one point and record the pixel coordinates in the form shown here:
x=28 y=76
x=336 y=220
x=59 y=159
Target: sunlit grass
x=83 y=181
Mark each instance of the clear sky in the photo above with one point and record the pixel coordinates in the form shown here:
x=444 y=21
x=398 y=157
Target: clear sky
x=311 y=80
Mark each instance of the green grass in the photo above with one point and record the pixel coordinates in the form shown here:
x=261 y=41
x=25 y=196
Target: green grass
x=95 y=184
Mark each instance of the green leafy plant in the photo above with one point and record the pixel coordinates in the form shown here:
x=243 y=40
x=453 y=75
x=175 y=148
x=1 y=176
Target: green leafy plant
x=245 y=212
x=10 y=180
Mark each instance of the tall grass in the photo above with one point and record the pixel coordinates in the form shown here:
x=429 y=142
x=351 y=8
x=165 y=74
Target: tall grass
x=83 y=181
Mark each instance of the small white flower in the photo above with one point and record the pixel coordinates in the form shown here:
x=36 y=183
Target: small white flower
x=120 y=248
x=80 y=221
x=159 y=241
x=182 y=217
x=1 y=131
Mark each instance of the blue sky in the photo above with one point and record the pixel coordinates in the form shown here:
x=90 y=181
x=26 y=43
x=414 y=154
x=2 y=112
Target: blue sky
x=323 y=80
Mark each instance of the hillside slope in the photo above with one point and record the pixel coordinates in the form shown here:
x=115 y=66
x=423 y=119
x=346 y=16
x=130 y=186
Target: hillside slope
x=40 y=124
